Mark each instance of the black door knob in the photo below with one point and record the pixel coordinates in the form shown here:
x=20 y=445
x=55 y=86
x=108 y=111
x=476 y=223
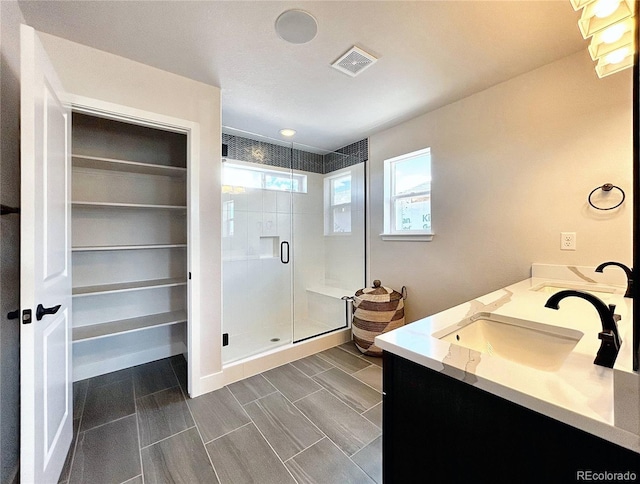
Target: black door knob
x=41 y=311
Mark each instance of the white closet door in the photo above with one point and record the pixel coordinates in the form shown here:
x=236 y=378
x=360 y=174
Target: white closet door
x=45 y=277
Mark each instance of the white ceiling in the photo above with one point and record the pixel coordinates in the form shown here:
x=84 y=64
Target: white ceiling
x=431 y=53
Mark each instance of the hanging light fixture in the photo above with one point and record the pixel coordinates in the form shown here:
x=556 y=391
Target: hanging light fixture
x=600 y=14
x=612 y=38
x=610 y=24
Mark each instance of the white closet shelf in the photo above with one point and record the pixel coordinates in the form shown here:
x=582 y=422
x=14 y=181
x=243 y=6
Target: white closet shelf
x=110 y=164
x=113 y=328
x=81 y=204
x=127 y=286
x=94 y=248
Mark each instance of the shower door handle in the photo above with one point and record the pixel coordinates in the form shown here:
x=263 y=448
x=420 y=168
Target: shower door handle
x=282 y=252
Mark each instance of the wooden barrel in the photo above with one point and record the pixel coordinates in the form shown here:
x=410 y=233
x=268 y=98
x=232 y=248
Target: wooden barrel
x=377 y=310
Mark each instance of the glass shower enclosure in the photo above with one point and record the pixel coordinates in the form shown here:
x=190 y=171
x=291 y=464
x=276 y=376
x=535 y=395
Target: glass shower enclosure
x=293 y=241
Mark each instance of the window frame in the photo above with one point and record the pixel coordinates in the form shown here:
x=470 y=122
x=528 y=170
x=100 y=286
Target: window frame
x=330 y=205
x=390 y=198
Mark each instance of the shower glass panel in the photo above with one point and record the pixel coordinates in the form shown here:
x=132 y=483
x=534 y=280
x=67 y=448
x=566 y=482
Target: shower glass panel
x=256 y=245
x=293 y=242
x=328 y=243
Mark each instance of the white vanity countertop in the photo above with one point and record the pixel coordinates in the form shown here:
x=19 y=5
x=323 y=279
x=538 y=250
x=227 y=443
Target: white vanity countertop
x=578 y=393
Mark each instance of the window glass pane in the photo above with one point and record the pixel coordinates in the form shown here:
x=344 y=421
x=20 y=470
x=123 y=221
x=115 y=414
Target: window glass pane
x=250 y=177
x=413 y=213
x=411 y=175
x=342 y=219
x=240 y=177
x=281 y=182
x=341 y=190
x=227 y=218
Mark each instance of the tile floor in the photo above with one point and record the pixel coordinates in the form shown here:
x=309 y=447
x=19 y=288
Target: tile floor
x=317 y=419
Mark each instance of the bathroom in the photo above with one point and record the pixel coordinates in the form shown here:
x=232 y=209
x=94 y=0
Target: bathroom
x=513 y=164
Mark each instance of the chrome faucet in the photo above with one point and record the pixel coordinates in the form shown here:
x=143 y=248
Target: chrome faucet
x=609 y=335
x=627 y=271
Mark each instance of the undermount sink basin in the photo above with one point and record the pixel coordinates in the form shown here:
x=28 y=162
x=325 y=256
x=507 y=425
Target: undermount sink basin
x=553 y=287
x=529 y=343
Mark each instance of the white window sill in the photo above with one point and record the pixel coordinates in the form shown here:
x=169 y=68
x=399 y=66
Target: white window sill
x=408 y=237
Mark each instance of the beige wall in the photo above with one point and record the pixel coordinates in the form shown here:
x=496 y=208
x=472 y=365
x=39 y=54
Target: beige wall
x=88 y=72
x=512 y=168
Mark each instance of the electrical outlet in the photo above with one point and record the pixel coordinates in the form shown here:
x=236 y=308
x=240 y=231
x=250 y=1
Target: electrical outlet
x=567 y=241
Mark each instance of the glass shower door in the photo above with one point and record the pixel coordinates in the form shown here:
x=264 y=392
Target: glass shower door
x=328 y=242
x=256 y=247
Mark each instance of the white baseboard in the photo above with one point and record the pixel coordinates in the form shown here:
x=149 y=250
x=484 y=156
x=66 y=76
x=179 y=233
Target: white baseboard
x=96 y=368
x=257 y=364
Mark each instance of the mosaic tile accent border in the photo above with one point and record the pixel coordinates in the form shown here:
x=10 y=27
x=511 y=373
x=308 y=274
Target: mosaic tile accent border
x=347 y=156
x=245 y=149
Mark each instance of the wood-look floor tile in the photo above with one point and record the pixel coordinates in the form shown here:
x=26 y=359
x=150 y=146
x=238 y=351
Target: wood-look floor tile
x=153 y=377
x=344 y=426
x=374 y=415
x=107 y=454
x=283 y=425
x=79 y=396
x=370 y=460
x=217 y=413
x=66 y=468
x=178 y=360
x=371 y=375
x=312 y=365
x=291 y=382
x=350 y=390
x=135 y=480
x=114 y=376
x=324 y=463
x=343 y=359
x=179 y=365
x=350 y=346
x=251 y=388
x=161 y=415
x=106 y=403
x=243 y=456
x=374 y=360
x=181 y=458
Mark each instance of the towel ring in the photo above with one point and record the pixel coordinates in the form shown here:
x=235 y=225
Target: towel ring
x=607 y=187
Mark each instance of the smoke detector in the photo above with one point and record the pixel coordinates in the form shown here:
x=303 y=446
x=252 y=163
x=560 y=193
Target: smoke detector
x=354 y=61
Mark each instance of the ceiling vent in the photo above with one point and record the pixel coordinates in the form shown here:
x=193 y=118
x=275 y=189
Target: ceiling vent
x=354 y=61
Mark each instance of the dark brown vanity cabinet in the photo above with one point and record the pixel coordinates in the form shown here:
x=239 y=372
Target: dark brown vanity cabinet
x=442 y=430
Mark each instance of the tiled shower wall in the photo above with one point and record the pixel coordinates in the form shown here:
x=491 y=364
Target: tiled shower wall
x=245 y=149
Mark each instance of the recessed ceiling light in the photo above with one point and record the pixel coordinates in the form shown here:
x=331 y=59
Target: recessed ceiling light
x=288 y=132
x=296 y=26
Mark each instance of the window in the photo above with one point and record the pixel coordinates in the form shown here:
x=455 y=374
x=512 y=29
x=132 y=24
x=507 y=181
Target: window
x=246 y=176
x=338 y=209
x=228 y=218
x=407 y=196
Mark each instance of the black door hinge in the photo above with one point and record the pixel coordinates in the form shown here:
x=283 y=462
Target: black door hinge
x=225 y=339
